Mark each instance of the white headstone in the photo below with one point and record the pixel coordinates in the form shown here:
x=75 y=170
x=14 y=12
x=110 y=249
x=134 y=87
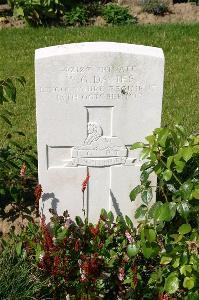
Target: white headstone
x=93 y=101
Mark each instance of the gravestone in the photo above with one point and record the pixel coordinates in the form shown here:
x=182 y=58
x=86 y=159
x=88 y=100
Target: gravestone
x=93 y=101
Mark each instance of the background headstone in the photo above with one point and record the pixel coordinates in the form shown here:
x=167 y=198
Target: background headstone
x=93 y=101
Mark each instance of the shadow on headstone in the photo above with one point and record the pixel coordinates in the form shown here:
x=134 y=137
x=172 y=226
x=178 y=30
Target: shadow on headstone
x=116 y=204
x=54 y=201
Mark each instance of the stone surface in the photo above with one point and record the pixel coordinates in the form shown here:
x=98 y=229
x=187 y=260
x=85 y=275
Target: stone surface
x=93 y=101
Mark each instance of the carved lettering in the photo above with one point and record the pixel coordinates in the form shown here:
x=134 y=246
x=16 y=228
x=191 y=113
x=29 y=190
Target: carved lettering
x=90 y=83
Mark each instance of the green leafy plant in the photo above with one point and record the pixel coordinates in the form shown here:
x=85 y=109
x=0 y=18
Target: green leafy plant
x=79 y=258
x=41 y=12
x=113 y=259
x=175 y=160
x=55 y=12
x=16 y=182
x=156 y=7
x=117 y=15
x=169 y=227
x=76 y=16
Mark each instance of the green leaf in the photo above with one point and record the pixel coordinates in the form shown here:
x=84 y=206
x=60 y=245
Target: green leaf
x=145 y=174
x=147 y=251
x=19 y=133
x=171 y=283
x=195 y=194
x=154 y=210
x=132 y=250
x=79 y=221
x=7 y=112
x=183 y=208
x=38 y=250
x=6 y=120
x=165 y=260
x=158 y=169
x=187 y=153
x=184 y=229
x=185 y=269
x=137 y=145
x=135 y=192
x=180 y=129
x=150 y=139
x=179 y=166
x=18 y=248
x=188 y=283
x=62 y=234
x=171 y=188
x=177 y=237
x=147 y=195
x=110 y=216
x=167 y=175
x=9 y=90
x=176 y=263
x=129 y=222
x=145 y=166
x=193 y=296
x=145 y=152
x=164 y=213
x=163 y=136
x=186 y=189
x=153 y=157
x=21 y=79
x=2 y=98
x=196 y=149
x=141 y=211
x=103 y=213
x=169 y=161
x=150 y=234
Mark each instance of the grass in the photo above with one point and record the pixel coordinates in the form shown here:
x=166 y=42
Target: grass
x=180 y=44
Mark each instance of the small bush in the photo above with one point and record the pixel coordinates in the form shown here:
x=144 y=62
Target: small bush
x=55 y=12
x=77 y=16
x=17 y=164
x=156 y=7
x=117 y=15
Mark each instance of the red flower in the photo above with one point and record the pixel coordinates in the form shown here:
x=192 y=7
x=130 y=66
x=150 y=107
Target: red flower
x=85 y=183
x=23 y=170
x=37 y=193
x=89 y=267
x=135 y=280
x=48 y=241
x=134 y=268
x=56 y=265
x=163 y=297
x=77 y=245
x=100 y=245
x=135 y=277
x=94 y=230
x=121 y=274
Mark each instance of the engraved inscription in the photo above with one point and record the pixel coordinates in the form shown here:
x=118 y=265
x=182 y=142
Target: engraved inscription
x=97 y=83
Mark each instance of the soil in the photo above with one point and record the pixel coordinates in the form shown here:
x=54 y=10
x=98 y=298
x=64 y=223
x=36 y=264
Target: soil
x=16 y=219
x=179 y=13
x=8 y=22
